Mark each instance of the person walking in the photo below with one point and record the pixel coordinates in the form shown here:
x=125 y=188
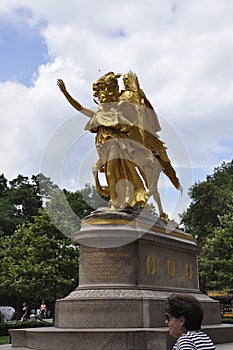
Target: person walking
x=43 y=310
x=25 y=315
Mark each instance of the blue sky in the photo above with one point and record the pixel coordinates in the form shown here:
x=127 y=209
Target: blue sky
x=181 y=51
x=22 y=48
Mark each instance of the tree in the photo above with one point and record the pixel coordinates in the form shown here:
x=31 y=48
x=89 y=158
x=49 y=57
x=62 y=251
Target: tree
x=210 y=201
x=92 y=197
x=24 y=197
x=85 y=200
x=66 y=209
x=8 y=216
x=216 y=261
x=8 y=211
x=43 y=187
x=209 y=220
x=61 y=213
x=38 y=261
x=21 y=199
x=3 y=185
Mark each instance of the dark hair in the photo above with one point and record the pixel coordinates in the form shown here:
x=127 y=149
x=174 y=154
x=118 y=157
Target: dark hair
x=188 y=306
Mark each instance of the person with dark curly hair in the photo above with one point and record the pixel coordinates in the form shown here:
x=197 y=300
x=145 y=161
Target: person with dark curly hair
x=184 y=315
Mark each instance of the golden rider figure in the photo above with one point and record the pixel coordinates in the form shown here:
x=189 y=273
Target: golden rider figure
x=130 y=153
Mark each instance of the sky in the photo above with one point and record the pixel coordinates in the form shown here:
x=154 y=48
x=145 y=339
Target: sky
x=180 y=50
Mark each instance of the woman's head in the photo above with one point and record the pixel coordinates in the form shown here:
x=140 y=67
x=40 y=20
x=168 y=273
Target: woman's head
x=188 y=308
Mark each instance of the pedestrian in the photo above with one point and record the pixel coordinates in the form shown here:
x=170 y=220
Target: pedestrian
x=184 y=316
x=43 y=310
x=25 y=315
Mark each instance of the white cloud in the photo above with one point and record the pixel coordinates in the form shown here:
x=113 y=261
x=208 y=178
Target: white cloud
x=181 y=51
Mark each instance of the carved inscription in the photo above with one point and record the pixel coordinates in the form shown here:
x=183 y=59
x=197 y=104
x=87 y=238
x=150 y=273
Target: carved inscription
x=105 y=265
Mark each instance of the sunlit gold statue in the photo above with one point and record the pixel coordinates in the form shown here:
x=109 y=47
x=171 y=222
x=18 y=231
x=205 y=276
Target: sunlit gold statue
x=130 y=152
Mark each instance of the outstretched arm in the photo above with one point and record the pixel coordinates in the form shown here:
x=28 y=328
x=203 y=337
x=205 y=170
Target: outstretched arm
x=88 y=112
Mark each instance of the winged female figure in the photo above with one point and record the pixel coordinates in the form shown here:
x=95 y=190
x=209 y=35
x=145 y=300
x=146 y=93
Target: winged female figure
x=130 y=152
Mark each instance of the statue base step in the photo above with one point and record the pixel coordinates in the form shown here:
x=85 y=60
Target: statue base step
x=122 y=308
x=104 y=339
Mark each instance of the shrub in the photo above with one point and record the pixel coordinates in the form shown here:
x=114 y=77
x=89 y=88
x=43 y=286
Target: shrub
x=4 y=327
x=227 y=320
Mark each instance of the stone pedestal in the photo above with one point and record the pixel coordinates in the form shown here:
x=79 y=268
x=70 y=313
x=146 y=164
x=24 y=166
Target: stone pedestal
x=130 y=262
x=127 y=285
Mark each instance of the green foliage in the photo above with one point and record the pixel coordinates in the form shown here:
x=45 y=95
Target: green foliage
x=93 y=198
x=3 y=185
x=24 y=197
x=8 y=210
x=4 y=339
x=210 y=200
x=4 y=327
x=38 y=261
x=216 y=260
x=8 y=216
x=210 y=219
x=21 y=200
x=43 y=186
x=86 y=200
x=227 y=320
x=66 y=209
x=61 y=213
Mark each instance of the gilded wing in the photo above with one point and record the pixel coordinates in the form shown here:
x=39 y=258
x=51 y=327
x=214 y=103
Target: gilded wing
x=148 y=125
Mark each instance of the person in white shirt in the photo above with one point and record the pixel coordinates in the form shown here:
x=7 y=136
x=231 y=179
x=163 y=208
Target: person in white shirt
x=184 y=315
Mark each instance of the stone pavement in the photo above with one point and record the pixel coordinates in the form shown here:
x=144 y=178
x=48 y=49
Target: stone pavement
x=226 y=346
